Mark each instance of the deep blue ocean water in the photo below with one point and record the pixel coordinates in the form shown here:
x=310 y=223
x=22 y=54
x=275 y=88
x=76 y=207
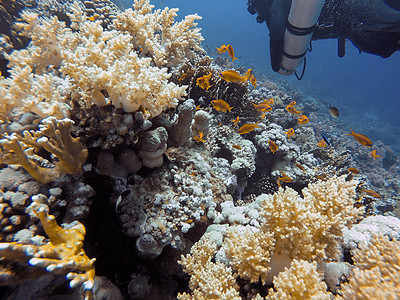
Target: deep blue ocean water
x=365 y=87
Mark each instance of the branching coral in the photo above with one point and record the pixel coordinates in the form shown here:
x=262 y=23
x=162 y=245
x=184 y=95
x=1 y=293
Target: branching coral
x=300 y=281
x=53 y=136
x=124 y=66
x=376 y=271
x=208 y=280
x=63 y=254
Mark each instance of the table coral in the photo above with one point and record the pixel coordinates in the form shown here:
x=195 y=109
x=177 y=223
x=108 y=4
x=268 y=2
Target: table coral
x=63 y=254
x=53 y=136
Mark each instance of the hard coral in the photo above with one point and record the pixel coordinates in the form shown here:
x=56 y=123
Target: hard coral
x=53 y=136
x=63 y=254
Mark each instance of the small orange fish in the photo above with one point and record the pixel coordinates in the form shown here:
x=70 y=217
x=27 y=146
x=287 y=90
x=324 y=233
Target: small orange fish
x=353 y=170
x=362 y=139
x=253 y=80
x=221 y=105
x=299 y=166
x=93 y=18
x=183 y=76
x=246 y=128
x=374 y=155
x=237 y=147
x=231 y=76
x=264 y=107
x=247 y=75
x=372 y=193
x=290 y=132
x=322 y=143
x=222 y=49
x=333 y=111
x=302 y=119
x=293 y=103
x=263 y=115
x=204 y=81
x=272 y=146
x=285 y=178
x=235 y=121
x=292 y=110
x=270 y=101
x=231 y=52
x=199 y=138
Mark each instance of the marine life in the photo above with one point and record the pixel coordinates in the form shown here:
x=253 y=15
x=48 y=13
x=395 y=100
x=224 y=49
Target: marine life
x=299 y=166
x=253 y=80
x=272 y=146
x=353 y=170
x=360 y=138
x=198 y=107
x=235 y=121
x=232 y=76
x=290 y=132
x=325 y=139
x=231 y=52
x=221 y=49
x=372 y=193
x=183 y=76
x=322 y=143
x=264 y=107
x=237 y=147
x=204 y=81
x=374 y=155
x=302 y=119
x=333 y=111
x=221 y=105
x=93 y=18
x=269 y=101
x=199 y=137
x=284 y=178
x=292 y=110
x=246 y=128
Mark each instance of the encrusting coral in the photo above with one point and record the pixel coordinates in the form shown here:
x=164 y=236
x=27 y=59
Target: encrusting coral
x=63 y=254
x=53 y=136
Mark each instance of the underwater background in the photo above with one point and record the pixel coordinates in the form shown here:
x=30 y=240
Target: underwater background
x=365 y=87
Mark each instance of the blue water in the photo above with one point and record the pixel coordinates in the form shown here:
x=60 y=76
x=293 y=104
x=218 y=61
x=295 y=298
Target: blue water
x=365 y=87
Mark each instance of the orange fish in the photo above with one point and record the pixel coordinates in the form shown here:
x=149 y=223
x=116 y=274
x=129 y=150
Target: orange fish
x=182 y=77
x=270 y=101
x=253 y=80
x=199 y=138
x=353 y=170
x=235 y=121
x=198 y=107
x=302 y=119
x=232 y=76
x=246 y=128
x=374 y=155
x=362 y=139
x=290 y=132
x=248 y=74
x=272 y=146
x=93 y=18
x=285 y=178
x=292 y=110
x=263 y=115
x=264 y=107
x=293 y=103
x=237 y=147
x=204 y=81
x=231 y=52
x=372 y=193
x=221 y=105
x=222 y=49
x=322 y=143
x=299 y=166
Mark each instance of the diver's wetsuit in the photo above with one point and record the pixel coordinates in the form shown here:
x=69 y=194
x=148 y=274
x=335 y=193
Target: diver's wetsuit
x=373 y=26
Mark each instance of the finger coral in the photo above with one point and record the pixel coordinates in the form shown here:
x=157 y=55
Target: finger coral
x=63 y=254
x=53 y=136
x=376 y=271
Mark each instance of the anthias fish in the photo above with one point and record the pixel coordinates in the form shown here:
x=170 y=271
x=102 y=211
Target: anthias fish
x=360 y=138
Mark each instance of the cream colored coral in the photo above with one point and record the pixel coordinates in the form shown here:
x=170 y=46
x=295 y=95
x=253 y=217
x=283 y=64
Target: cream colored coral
x=208 y=280
x=97 y=65
x=311 y=227
x=168 y=42
x=376 y=271
x=250 y=252
x=300 y=281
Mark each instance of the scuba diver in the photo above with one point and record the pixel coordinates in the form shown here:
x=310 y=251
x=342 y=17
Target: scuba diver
x=373 y=26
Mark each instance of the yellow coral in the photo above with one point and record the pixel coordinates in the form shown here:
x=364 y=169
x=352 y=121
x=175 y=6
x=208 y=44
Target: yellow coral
x=208 y=280
x=53 y=136
x=376 y=271
x=300 y=281
x=63 y=254
x=250 y=251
